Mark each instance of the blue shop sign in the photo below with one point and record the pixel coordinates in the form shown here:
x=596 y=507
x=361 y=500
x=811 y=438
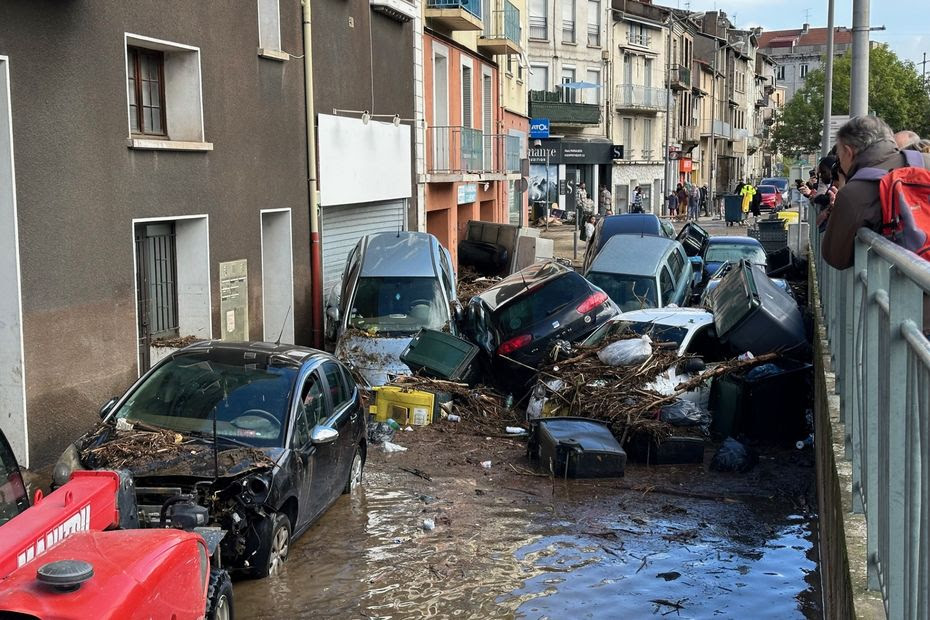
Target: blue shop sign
x=539 y=128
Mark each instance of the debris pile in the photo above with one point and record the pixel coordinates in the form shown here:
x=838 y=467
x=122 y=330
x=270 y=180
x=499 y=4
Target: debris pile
x=471 y=283
x=128 y=446
x=479 y=410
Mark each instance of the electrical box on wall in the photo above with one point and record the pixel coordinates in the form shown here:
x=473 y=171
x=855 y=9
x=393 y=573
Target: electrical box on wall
x=234 y=300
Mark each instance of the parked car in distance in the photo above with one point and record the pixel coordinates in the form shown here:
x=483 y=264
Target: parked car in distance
x=722 y=249
x=393 y=285
x=638 y=224
x=523 y=315
x=272 y=435
x=643 y=272
x=771 y=197
x=781 y=183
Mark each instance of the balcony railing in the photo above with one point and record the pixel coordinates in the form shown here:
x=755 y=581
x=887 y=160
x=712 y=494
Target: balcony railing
x=690 y=135
x=455 y=150
x=539 y=27
x=511 y=154
x=503 y=33
x=679 y=78
x=633 y=97
x=721 y=129
x=472 y=6
x=561 y=107
x=643 y=40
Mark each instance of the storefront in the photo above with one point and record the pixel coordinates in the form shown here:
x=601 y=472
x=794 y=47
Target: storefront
x=558 y=166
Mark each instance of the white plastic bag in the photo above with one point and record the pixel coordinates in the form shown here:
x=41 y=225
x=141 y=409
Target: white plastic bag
x=389 y=447
x=626 y=352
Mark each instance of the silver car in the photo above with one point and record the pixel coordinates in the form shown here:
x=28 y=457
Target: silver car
x=394 y=284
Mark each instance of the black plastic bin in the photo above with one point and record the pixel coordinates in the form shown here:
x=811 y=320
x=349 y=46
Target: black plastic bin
x=763 y=406
x=570 y=447
x=674 y=450
x=441 y=355
x=733 y=208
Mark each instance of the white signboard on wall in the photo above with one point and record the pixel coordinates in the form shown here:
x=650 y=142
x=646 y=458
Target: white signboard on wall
x=363 y=162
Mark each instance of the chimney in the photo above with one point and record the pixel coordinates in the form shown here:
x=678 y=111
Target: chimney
x=805 y=28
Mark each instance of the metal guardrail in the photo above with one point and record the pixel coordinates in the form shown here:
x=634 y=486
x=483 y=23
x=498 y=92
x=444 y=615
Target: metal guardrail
x=505 y=24
x=472 y=6
x=874 y=315
x=455 y=149
x=644 y=97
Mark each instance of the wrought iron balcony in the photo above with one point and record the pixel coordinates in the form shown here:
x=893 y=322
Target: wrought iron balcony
x=561 y=108
x=503 y=33
x=633 y=98
x=679 y=78
x=464 y=15
x=455 y=150
x=690 y=135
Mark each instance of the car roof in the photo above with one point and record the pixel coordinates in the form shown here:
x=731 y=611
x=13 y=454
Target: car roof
x=286 y=354
x=402 y=253
x=632 y=255
x=675 y=317
x=516 y=284
x=631 y=223
x=734 y=240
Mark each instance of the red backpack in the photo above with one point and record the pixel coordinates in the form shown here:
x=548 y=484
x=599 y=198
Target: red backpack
x=905 y=198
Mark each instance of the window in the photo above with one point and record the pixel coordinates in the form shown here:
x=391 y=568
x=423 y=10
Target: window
x=146 y=70
x=647 y=138
x=311 y=406
x=338 y=391
x=802 y=70
x=628 y=138
x=593 y=95
x=668 y=288
x=158 y=288
x=568 y=21
x=466 y=97
x=269 y=28
x=539 y=19
x=638 y=34
x=539 y=77
x=594 y=23
x=780 y=73
x=163 y=95
x=568 y=76
x=677 y=263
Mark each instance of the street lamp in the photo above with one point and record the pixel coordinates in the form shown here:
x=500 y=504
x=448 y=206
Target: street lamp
x=713 y=115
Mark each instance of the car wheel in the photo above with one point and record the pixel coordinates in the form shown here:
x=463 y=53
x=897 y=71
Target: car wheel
x=275 y=532
x=219 y=596
x=355 y=473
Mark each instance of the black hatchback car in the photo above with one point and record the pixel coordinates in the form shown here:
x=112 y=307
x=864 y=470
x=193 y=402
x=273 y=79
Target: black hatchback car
x=517 y=321
x=264 y=436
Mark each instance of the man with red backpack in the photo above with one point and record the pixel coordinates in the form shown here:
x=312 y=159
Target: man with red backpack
x=866 y=149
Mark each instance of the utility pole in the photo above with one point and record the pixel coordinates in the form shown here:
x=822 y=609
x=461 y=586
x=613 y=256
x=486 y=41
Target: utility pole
x=713 y=133
x=668 y=110
x=923 y=64
x=828 y=85
x=859 y=87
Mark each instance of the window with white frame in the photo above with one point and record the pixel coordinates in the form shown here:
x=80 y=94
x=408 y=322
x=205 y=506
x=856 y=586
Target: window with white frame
x=593 y=95
x=539 y=77
x=594 y=23
x=269 y=26
x=627 y=138
x=780 y=73
x=568 y=21
x=647 y=138
x=539 y=19
x=164 y=95
x=638 y=34
x=568 y=76
x=802 y=70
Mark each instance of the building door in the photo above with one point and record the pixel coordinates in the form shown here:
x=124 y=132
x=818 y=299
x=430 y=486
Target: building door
x=344 y=225
x=441 y=132
x=156 y=286
x=12 y=362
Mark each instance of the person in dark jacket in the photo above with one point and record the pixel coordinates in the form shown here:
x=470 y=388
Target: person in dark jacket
x=863 y=142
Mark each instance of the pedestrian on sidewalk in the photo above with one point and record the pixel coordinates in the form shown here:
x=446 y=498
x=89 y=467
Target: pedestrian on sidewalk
x=694 y=203
x=682 y=199
x=606 y=200
x=704 y=200
x=637 y=200
x=672 y=201
x=589 y=229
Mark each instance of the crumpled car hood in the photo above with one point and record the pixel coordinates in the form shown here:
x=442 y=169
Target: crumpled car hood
x=374 y=358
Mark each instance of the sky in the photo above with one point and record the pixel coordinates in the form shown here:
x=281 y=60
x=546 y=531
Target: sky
x=907 y=22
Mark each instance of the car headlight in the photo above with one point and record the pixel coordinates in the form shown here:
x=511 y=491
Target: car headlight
x=68 y=462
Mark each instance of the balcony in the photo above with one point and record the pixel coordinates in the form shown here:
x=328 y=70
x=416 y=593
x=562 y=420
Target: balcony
x=762 y=102
x=768 y=116
x=503 y=34
x=560 y=108
x=690 y=135
x=720 y=130
x=679 y=78
x=455 y=150
x=646 y=99
x=461 y=15
x=753 y=144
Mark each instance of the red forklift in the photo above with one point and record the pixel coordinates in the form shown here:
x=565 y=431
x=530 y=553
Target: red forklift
x=79 y=553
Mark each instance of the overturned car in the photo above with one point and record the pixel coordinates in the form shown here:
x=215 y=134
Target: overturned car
x=260 y=438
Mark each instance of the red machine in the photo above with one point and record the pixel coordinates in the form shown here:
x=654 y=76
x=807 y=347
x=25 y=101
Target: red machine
x=63 y=557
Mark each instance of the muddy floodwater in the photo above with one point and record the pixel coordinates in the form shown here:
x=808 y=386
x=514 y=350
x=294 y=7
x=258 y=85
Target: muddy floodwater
x=672 y=541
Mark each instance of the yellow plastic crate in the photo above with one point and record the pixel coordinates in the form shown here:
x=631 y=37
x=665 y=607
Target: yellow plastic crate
x=406 y=406
x=791 y=217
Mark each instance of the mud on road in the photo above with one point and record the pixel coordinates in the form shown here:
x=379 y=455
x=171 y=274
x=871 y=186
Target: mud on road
x=680 y=541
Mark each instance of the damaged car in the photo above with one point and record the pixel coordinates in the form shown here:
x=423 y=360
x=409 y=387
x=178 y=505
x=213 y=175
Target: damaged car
x=264 y=436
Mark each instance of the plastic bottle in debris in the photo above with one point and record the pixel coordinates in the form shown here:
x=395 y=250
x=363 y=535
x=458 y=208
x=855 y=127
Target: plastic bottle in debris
x=454 y=418
x=393 y=424
x=805 y=443
x=508 y=402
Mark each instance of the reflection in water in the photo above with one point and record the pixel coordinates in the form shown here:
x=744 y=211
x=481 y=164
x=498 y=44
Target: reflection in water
x=496 y=554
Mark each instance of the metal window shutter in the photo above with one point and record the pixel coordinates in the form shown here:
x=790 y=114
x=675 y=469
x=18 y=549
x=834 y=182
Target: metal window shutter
x=343 y=226
x=466 y=97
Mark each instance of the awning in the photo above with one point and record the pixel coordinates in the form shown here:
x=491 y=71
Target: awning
x=579 y=85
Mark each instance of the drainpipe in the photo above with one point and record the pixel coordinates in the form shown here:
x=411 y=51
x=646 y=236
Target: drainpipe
x=316 y=262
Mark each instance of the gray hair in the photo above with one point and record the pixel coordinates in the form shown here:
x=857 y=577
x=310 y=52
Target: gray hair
x=861 y=132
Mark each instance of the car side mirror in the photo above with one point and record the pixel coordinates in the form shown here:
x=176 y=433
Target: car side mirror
x=458 y=312
x=332 y=322
x=322 y=435
x=107 y=406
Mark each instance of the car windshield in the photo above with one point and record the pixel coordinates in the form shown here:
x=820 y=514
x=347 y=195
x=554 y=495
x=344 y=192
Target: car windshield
x=655 y=331
x=628 y=292
x=540 y=303
x=249 y=398
x=779 y=183
x=733 y=253
x=398 y=305
x=766 y=189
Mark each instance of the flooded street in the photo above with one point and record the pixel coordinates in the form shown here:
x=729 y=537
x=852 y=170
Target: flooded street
x=674 y=540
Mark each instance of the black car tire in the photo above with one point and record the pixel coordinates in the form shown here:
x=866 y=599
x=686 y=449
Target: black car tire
x=355 y=473
x=219 y=596
x=275 y=536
